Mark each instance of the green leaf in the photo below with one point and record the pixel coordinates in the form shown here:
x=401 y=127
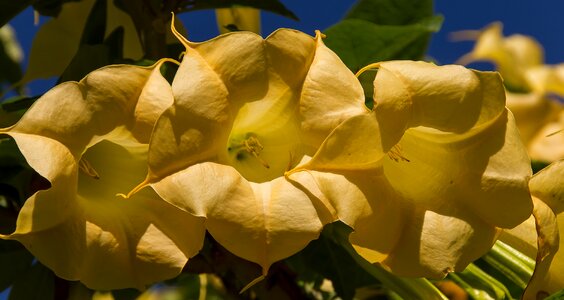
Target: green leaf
x=326 y=257
x=126 y=294
x=38 y=283
x=479 y=284
x=9 y=154
x=91 y=57
x=15 y=261
x=391 y=12
x=556 y=296
x=406 y=288
x=95 y=28
x=360 y=42
x=274 y=6
x=50 y=8
x=538 y=165
x=333 y=257
x=15 y=104
x=87 y=59
x=11 y=8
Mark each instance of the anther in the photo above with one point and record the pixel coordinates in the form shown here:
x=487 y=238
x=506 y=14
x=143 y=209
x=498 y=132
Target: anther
x=395 y=154
x=87 y=169
x=253 y=146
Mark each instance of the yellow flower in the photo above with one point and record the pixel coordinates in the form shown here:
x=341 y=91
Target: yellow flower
x=513 y=55
x=520 y=61
x=247 y=110
x=540 y=120
x=437 y=168
x=242 y=17
x=546 y=79
x=539 y=236
x=89 y=139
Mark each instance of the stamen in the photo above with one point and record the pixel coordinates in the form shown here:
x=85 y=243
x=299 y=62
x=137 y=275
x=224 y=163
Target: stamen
x=253 y=146
x=87 y=169
x=395 y=154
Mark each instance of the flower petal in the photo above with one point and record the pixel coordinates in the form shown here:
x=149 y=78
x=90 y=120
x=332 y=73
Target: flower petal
x=87 y=233
x=440 y=240
x=59 y=170
x=548 y=144
x=290 y=54
x=353 y=145
x=512 y=55
x=262 y=222
x=79 y=227
x=547 y=244
x=238 y=58
x=488 y=173
x=448 y=98
x=364 y=201
x=531 y=111
x=548 y=186
x=546 y=79
x=155 y=97
x=330 y=95
x=100 y=102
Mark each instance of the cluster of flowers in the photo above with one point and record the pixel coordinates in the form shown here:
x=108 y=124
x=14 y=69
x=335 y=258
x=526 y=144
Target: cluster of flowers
x=262 y=142
x=533 y=88
x=534 y=92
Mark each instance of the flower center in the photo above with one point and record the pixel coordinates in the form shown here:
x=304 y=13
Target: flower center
x=250 y=145
x=112 y=166
x=264 y=141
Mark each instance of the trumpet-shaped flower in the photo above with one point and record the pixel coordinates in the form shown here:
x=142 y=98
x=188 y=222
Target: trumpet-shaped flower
x=89 y=139
x=247 y=110
x=540 y=121
x=437 y=166
x=539 y=236
x=520 y=61
x=513 y=55
x=425 y=179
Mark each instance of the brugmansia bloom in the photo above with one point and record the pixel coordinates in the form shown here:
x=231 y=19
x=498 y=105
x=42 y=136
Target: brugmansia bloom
x=540 y=120
x=520 y=60
x=538 y=237
x=89 y=139
x=425 y=180
x=246 y=110
x=437 y=168
x=512 y=55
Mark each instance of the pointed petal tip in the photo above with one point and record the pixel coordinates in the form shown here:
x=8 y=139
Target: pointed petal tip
x=177 y=34
x=319 y=35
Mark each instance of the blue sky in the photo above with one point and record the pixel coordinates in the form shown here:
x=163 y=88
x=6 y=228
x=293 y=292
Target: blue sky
x=540 y=19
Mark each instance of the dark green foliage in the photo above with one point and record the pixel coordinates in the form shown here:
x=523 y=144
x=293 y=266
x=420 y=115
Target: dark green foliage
x=11 y=8
x=274 y=6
